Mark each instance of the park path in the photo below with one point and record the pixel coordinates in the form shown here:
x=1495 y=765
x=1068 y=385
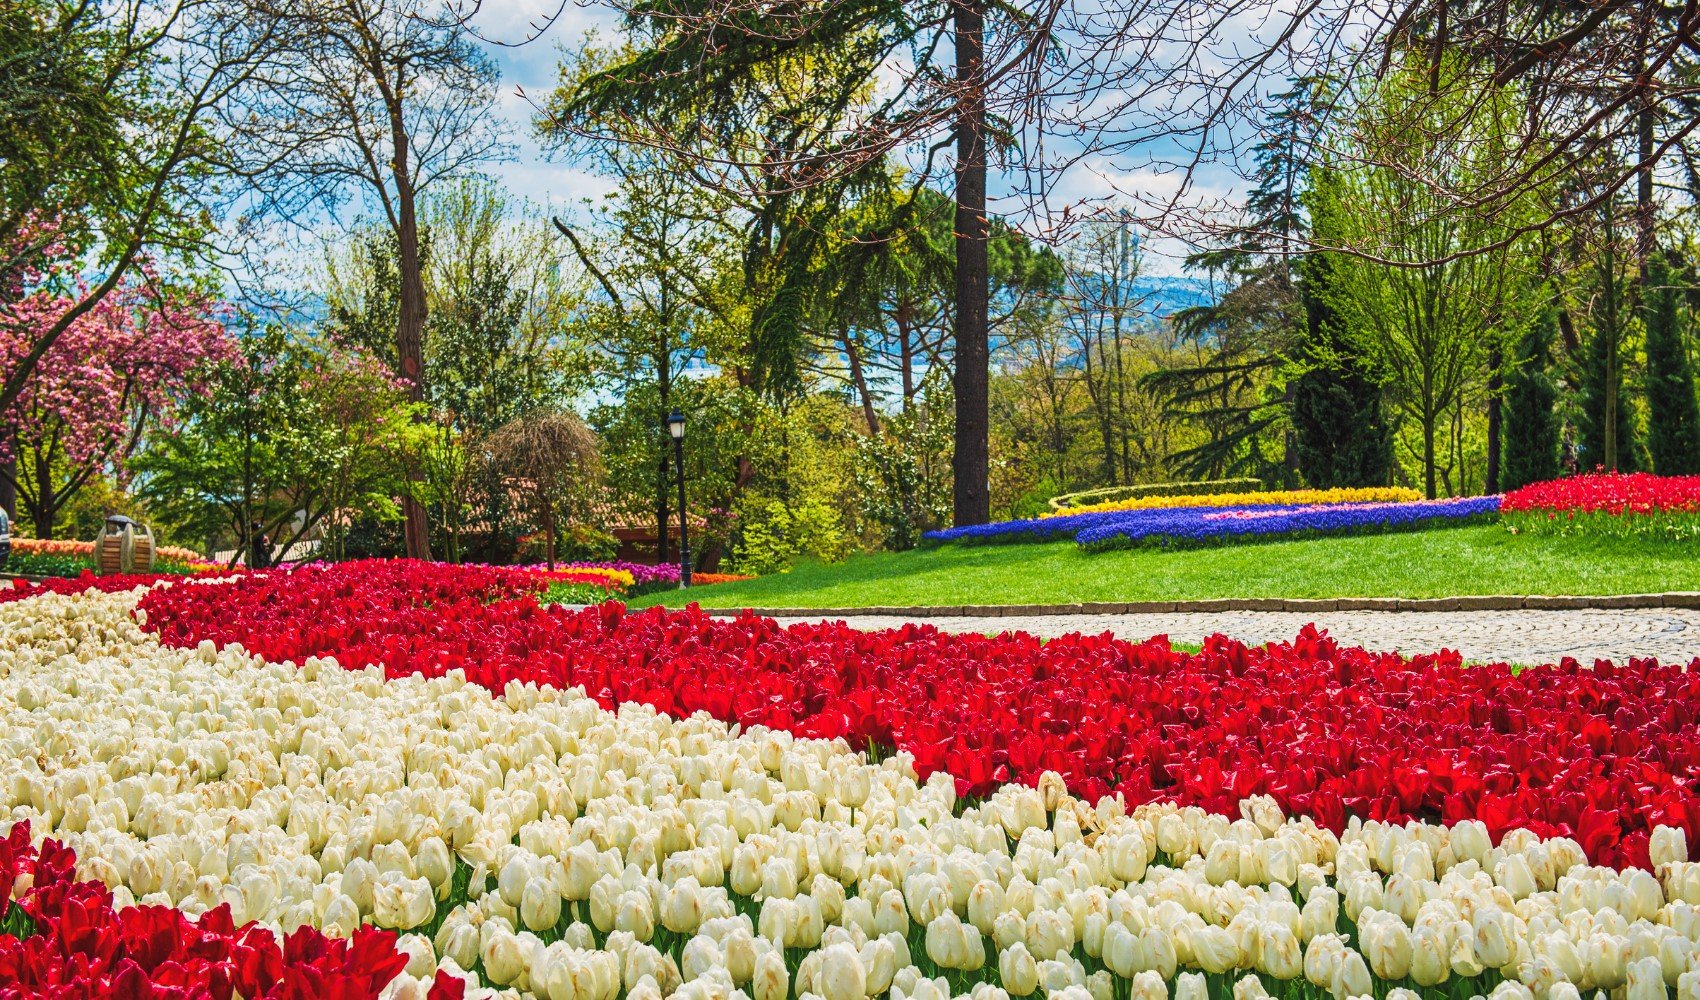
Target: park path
x=1523 y=637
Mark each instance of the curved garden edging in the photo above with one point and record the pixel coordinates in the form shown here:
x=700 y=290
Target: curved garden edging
x=1531 y=602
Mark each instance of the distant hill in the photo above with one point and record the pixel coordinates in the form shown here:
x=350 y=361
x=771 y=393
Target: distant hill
x=1166 y=296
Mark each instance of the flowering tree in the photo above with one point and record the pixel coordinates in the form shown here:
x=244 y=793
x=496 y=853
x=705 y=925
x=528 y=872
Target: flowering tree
x=116 y=367
x=299 y=435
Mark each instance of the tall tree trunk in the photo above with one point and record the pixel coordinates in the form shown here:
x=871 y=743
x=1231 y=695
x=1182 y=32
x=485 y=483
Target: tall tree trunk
x=549 y=535
x=1496 y=361
x=1428 y=455
x=1609 y=442
x=9 y=477
x=1646 y=213
x=906 y=358
x=45 y=502
x=410 y=333
x=971 y=461
x=664 y=385
x=859 y=379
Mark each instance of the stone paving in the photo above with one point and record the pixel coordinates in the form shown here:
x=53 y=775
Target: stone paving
x=1524 y=637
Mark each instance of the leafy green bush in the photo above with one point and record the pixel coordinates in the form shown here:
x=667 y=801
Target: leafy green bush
x=574 y=593
x=776 y=535
x=1206 y=487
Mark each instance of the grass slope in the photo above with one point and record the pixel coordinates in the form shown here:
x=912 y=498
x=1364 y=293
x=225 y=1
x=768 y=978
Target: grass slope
x=1449 y=562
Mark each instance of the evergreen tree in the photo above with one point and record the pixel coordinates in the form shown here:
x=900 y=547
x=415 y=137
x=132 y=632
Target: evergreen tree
x=1342 y=433
x=1602 y=378
x=1673 y=417
x=1531 y=428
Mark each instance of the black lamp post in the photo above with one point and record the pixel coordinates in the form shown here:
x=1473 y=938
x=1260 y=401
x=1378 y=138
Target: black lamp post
x=676 y=430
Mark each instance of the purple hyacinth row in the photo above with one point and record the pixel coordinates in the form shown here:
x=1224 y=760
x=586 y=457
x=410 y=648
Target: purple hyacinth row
x=1195 y=524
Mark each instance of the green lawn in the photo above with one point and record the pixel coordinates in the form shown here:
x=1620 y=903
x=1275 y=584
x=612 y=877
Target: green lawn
x=1449 y=562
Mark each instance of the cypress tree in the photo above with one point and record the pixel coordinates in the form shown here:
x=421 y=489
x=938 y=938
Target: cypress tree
x=1531 y=428
x=1602 y=378
x=1343 y=438
x=1673 y=416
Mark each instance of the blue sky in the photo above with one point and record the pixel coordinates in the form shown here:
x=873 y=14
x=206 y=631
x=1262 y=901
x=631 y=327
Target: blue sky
x=529 y=72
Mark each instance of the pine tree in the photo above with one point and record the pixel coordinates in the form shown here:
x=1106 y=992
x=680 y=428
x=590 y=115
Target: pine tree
x=1343 y=435
x=1673 y=416
x=1531 y=428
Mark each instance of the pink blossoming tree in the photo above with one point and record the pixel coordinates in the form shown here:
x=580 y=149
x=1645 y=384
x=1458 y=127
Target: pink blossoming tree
x=117 y=369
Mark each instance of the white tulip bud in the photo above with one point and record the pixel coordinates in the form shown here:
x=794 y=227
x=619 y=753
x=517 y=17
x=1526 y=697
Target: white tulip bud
x=1386 y=943
x=1688 y=985
x=1018 y=971
x=771 y=981
x=1431 y=956
x=840 y=975
x=985 y=902
x=1493 y=931
x=421 y=957
x=514 y=875
x=1249 y=987
x=1278 y=952
x=436 y=865
x=341 y=918
x=1351 y=977
x=1214 y=949
x=879 y=963
x=681 y=909
x=1669 y=844
x=1049 y=934
x=539 y=905
x=458 y=941
x=891 y=914
x=635 y=916
x=505 y=959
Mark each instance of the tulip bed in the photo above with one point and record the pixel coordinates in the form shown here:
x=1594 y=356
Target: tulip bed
x=592 y=582
x=64 y=938
x=500 y=789
x=1608 y=504
x=70 y=558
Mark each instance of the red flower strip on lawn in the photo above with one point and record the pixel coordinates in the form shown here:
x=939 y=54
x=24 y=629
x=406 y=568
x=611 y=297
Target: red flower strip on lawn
x=1610 y=493
x=82 y=948
x=1599 y=754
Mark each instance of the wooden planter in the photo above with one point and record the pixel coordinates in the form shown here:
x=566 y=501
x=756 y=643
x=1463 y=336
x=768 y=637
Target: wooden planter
x=129 y=549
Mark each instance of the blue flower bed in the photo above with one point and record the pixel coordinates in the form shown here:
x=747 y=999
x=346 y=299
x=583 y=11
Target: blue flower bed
x=1184 y=526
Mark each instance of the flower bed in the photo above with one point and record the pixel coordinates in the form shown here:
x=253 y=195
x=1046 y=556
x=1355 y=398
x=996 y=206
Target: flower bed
x=1601 y=755
x=1609 y=504
x=1288 y=498
x=85 y=581
x=65 y=557
x=63 y=937
x=1203 y=487
x=536 y=841
x=629 y=579
x=1195 y=526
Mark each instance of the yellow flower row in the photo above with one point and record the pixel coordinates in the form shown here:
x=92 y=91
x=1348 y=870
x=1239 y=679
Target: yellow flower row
x=619 y=577
x=1365 y=494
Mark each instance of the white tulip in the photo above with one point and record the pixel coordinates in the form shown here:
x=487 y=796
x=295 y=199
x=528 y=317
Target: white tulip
x=540 y=905
x=1669 y=845
x=770 y=981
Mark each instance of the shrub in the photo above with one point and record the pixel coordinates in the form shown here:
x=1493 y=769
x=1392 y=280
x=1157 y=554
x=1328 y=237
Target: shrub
x=1109 y=494
x=778 y=534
